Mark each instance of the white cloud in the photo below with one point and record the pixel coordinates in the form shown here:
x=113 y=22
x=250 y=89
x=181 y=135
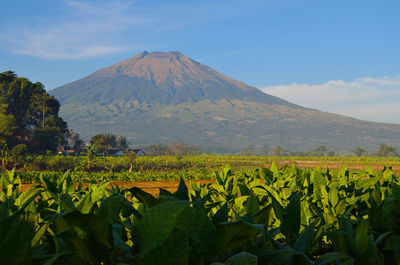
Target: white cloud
x=374 y=99
x=80 y=30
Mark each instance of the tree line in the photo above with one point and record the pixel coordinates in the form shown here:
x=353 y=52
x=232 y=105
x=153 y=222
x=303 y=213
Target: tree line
x=30 y=123
x=384 y=150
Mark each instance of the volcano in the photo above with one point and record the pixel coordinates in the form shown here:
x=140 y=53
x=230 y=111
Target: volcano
x=162 y=97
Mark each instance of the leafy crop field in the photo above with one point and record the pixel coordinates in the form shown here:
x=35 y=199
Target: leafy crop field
x=272 y=216
x=201 y=167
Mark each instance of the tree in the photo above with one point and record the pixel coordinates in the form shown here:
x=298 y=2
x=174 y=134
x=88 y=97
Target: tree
x=158 y=150
x=131 y=157
x=74 y=141
x=122 y=142
x=359 y=151
x=249 y=150
x=277 y=151
x=319 y=150
x=386 y=150
x=103 y=142
x=28 y=115
x=265 y=150
x=182 y=148
x=331 y=153
x=18 y=154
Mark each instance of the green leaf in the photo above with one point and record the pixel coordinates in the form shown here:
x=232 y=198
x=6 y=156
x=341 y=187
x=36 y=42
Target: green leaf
x=275 y=170
x=341 y=207
x=182 y=193
x=85 y=204
x=285 y=255
x=15 y=243
x=221 y=215
x=333 y=196
x=78 y=253
x=305 y=239
x=231 y=236
x=382 y=237
x=39 y=234
x=146 y=198
x=252 y=205
x=27 y=197
x=227 y=171
x=361 y=237
x=98 y=226
x=54 y=258
x=242 y=258
x=161 y=221
x=173 y=251
x=331 y=257
x=111 y=207
x=290 y=225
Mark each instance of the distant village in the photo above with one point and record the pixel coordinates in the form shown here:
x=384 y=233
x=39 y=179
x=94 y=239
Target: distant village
x=111 y=152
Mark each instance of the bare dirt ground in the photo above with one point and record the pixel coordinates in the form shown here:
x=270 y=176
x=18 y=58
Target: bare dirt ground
x=151 y=187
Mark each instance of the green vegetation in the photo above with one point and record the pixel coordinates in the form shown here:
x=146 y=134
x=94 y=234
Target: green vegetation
x=275 y=216
x=149 y=168
x=29 y=118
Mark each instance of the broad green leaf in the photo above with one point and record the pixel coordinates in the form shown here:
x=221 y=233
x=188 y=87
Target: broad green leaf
x=182 y=193
x=111 y=207
x=221 y=215
x=242 y=258
x=174 y=251
x=161 y=221
x=231 y=236
x=15 y=243
x=361 y=237
x=330 y=257
x=144 y=197
x=252 y=205
x=27 y=196
x=305 y=239
x=290 y=225
x=333 y=196
x=39 y=234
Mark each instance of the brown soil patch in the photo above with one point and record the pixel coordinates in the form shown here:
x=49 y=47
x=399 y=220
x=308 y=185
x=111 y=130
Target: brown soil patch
x=151 y=187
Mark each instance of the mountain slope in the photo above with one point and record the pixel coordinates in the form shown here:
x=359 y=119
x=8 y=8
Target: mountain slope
x=162 y=97
x=160 y=78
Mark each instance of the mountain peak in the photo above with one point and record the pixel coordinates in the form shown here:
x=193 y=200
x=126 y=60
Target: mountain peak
x=159 y=67
x=157 y=54
x=165 y=96
x=163 y=78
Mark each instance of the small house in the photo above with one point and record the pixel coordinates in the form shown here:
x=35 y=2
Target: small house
x=119 y=152
x=139 y=152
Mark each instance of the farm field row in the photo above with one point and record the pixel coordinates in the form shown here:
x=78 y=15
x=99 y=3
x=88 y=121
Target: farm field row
x=188 y=167
x=282 y=216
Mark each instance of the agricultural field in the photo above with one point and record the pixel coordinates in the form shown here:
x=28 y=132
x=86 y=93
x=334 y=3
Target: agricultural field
x=172 y=168
x=286 y=215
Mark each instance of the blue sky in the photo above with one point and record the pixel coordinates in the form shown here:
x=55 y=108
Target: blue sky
x=322 y=48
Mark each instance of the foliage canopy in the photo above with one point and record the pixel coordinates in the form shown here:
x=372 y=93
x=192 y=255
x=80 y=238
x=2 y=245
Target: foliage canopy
x=29 y=115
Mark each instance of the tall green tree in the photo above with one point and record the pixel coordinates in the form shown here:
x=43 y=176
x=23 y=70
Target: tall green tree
x=103 y=142
x=122 y=142
x=386 y=150
x=29 y=115
x=158 y=150
x=359 y=151
x=74 y=141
